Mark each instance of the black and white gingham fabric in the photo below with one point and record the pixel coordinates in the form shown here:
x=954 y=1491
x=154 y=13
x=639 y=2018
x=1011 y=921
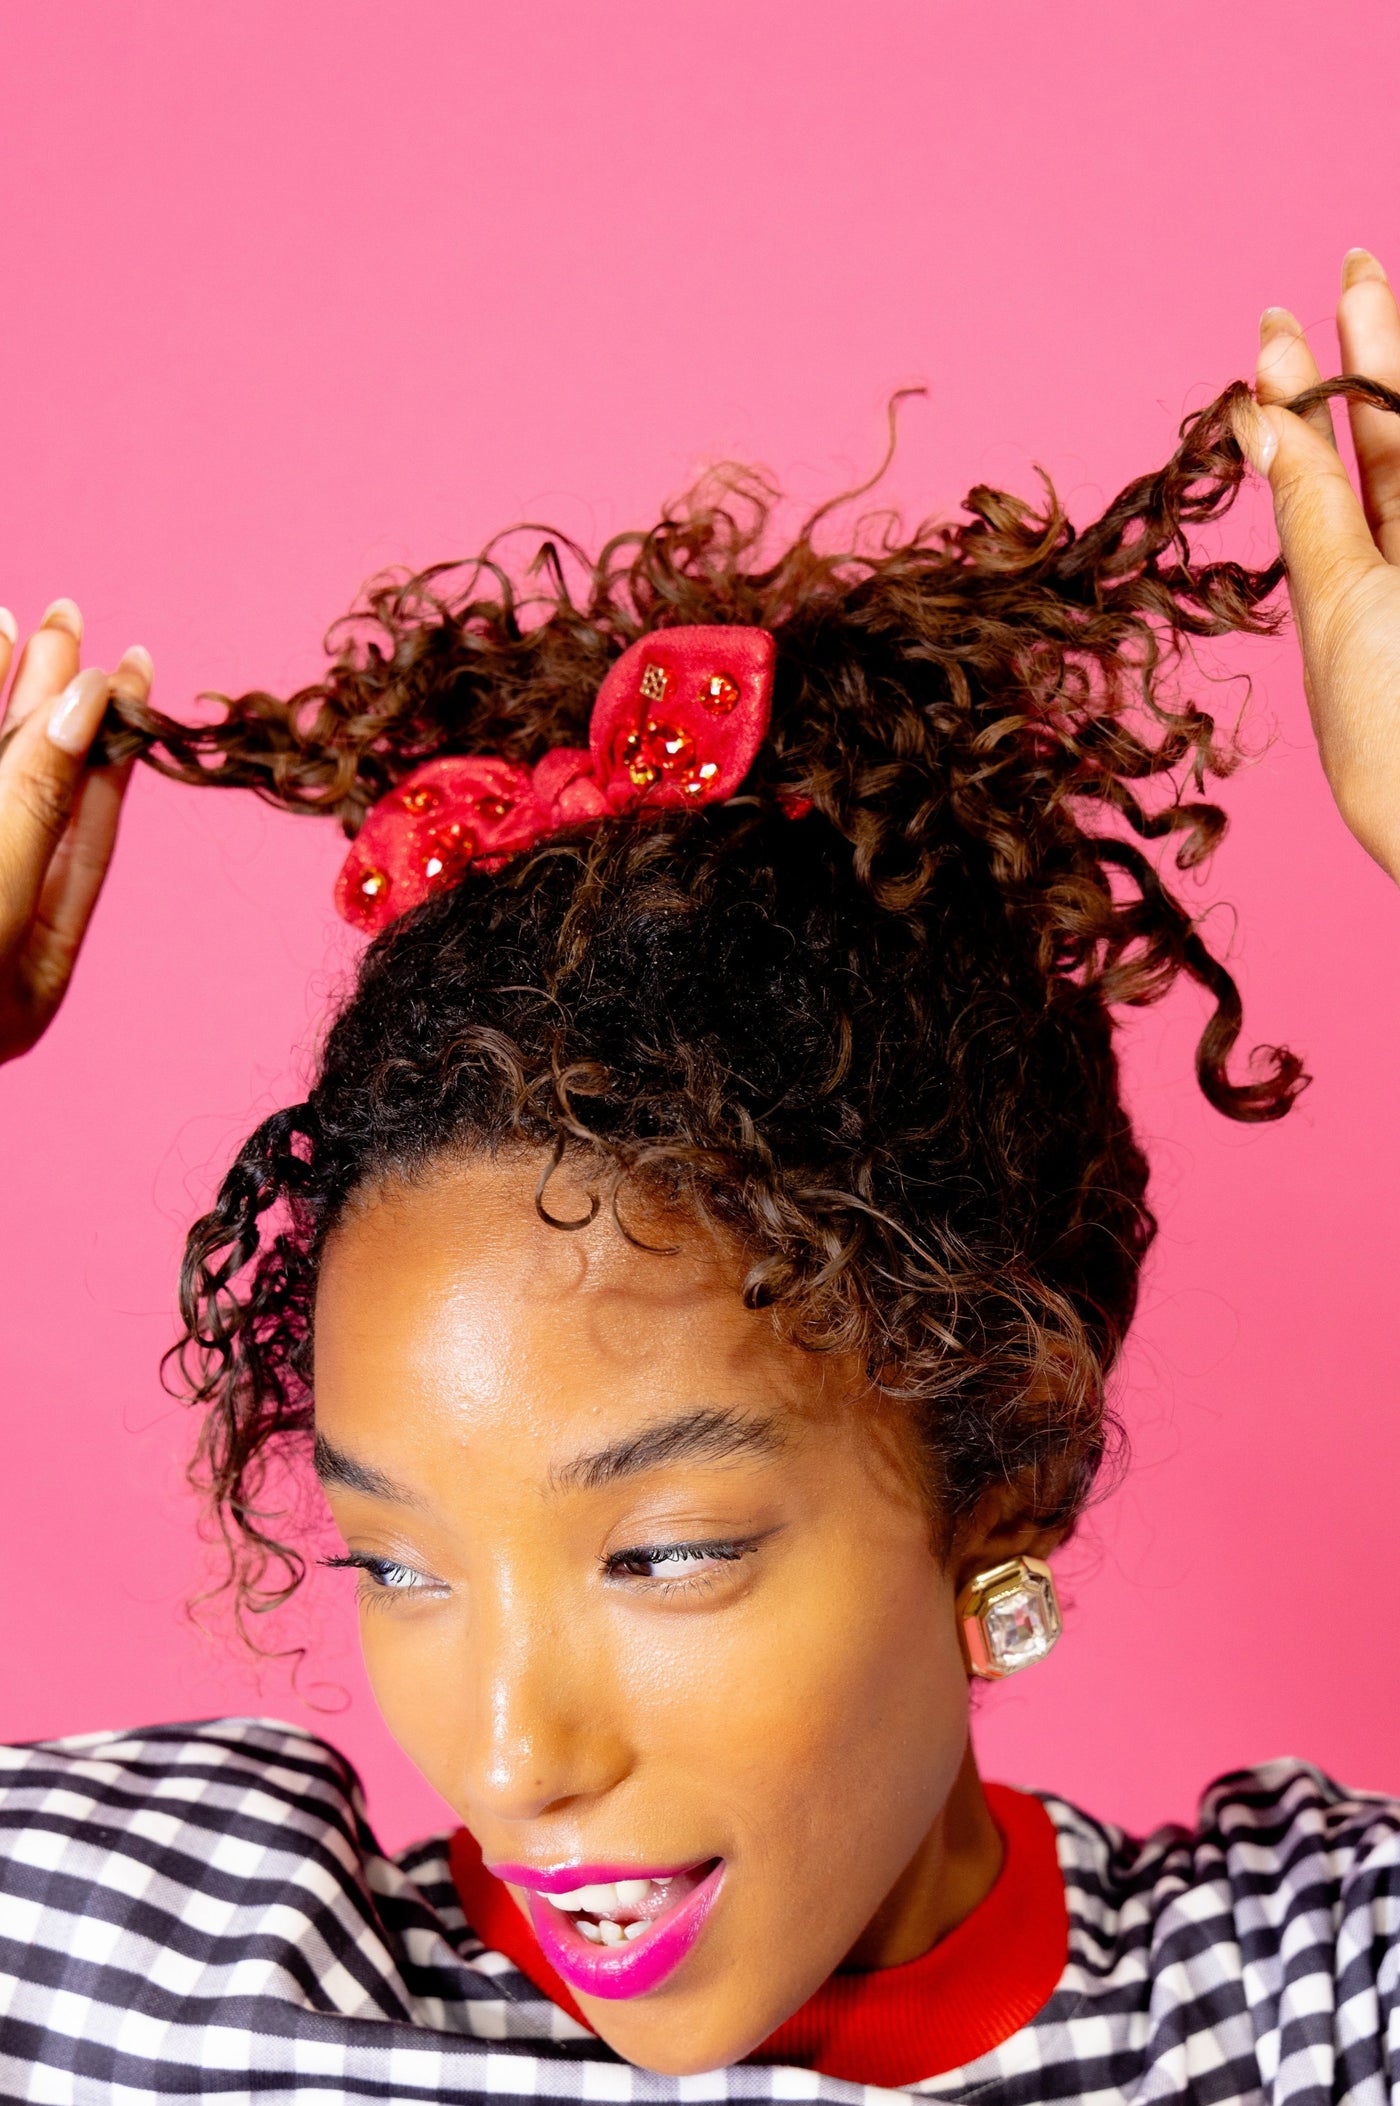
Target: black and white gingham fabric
x=200 y=1912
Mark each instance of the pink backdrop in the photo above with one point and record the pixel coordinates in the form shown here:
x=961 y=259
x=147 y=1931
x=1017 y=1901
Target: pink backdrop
x=293 y=292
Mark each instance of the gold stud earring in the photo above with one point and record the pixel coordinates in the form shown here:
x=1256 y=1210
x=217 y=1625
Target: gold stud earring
x=1009 y=1617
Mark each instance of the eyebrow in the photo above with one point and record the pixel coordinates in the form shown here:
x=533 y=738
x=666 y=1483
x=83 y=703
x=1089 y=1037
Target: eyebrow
x=707 y=1434
x=703 y=1435
x=333 y=1466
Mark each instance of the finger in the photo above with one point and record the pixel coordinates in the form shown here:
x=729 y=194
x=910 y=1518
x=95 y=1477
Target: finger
x=9 y=631
x=1322 y=529
x=39 y=774
x=1368 y=324
x=1287 y=366
x=47 y=663
x=79 y=864
x=75 y=878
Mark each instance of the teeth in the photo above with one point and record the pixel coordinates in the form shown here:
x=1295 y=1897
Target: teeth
x=606 y=1897
x=591 y=1932
x=634 y=1930
x=599 y=1899
x=611 y=1933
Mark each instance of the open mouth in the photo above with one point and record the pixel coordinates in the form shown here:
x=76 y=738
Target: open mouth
x=622 y=1935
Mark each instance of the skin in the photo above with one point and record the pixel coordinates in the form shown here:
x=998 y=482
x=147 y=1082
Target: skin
x=797 y=1707
x=1343 y=554
x=738 y=1706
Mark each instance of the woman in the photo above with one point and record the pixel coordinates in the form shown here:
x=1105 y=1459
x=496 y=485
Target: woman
x=705 y=1245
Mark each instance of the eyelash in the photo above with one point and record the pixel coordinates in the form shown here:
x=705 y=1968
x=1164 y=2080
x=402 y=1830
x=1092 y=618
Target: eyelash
x=725 y=1552
x=381 y=1587
x=375 y=1571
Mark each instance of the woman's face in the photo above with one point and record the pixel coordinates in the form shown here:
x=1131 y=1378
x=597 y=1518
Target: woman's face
x=649 y=1596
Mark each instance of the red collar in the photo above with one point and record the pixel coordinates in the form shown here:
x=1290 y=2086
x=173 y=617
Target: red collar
x=894 y=2025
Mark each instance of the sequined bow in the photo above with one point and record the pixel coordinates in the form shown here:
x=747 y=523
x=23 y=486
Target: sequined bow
x=677 y=721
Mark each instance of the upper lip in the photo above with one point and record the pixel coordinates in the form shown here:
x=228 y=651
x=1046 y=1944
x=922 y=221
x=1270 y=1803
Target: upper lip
x=563 y=1879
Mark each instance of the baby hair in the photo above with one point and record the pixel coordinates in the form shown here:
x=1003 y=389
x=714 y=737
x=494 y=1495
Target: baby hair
x=872 y=1047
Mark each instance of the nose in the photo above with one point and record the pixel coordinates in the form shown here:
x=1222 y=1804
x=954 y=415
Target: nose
x=547 y=1731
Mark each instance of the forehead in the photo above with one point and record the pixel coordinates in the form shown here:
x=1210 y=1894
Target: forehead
x=448 y=1309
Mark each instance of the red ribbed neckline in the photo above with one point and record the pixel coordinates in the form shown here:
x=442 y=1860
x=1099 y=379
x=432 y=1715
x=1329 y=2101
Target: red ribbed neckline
x=894 y=2025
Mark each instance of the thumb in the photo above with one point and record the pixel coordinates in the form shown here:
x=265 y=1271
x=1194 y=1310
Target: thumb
x=1322 y=529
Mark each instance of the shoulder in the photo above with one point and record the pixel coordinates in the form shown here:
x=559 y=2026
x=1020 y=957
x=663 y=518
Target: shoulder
x=268 y=1786
x=1269 y=1930
x=210 y=1835
x=1282 y=1826
x=179 y=1894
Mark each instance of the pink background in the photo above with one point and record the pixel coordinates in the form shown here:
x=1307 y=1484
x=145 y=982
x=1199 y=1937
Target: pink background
x=295 y=291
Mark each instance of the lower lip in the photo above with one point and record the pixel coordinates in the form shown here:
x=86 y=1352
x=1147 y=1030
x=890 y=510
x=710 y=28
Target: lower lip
x=632 y=1969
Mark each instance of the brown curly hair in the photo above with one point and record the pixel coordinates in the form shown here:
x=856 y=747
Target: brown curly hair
x=873 y=1046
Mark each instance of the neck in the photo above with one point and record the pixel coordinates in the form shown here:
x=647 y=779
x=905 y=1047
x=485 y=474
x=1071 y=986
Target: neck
x=952 y=1870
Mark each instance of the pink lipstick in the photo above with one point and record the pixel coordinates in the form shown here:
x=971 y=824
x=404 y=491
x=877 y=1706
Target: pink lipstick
x=617 y=1930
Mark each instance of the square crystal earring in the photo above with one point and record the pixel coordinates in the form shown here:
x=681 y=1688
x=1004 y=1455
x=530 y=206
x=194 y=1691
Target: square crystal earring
x=1009 y=1617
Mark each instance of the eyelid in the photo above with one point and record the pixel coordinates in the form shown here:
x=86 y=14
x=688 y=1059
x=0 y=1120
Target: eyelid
x=682 y=1550
x=373 y=1563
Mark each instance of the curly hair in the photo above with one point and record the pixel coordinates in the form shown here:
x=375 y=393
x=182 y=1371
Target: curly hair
x=872 y=1046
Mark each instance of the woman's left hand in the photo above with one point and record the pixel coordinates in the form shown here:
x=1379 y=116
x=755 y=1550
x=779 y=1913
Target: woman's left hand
x=1342 y=551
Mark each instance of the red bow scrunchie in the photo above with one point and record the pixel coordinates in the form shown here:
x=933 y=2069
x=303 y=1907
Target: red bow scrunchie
x=677 y=721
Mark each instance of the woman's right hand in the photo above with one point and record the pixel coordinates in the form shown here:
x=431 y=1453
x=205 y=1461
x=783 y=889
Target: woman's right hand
x=1342 y=549
x=58 y=818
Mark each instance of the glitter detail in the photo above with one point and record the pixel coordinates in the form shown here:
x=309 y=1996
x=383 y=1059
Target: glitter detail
x=656 y=682
x=493 y=808
x=422 y=799
x=720 y=694
x=372 y=884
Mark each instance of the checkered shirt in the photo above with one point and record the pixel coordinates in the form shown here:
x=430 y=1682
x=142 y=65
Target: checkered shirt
x=201 y=1912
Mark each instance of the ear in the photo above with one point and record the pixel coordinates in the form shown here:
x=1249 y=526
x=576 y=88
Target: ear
x=1005 y=1523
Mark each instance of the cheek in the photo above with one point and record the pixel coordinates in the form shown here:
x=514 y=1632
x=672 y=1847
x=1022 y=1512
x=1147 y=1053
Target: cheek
x=842 y=1686
x=834 y=1696
x=414 y=1666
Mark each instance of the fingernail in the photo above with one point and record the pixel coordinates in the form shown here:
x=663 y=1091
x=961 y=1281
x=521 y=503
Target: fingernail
x=1273 y=319
x=1257 y=437
x=64 y=614
x=79 y=710
x=1359 y=265
x=1263 y=443
x=137 y=655
x=9 y=628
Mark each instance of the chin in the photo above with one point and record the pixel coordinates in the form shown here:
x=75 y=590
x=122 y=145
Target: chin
x=665 y=2042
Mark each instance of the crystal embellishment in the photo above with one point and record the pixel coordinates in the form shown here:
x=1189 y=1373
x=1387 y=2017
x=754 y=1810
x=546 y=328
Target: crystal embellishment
x=656 y=682
x=447 y=852
x=720 y=694
x=1010 y=1617
x=667 y=746
x=638 y=767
